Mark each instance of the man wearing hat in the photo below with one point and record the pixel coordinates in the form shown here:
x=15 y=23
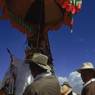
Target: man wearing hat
x=44 y=82
x=66 y=89
x=88 y=76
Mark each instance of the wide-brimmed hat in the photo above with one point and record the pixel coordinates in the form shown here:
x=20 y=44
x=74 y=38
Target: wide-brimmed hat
x=65 y=88
x=41 y=60
x=86 y=66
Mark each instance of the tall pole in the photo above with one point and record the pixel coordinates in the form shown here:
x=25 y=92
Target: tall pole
x=38 y=41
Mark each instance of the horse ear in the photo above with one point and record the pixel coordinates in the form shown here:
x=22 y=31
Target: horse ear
x=11 y=55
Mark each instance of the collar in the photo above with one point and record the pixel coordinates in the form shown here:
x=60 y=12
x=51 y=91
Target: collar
x=42 y=75
x=87 y=83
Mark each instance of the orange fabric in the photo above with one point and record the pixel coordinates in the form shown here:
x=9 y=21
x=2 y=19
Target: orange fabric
x=65 y=20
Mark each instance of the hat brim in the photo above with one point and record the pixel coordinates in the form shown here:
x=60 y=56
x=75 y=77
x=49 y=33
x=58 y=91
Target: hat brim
x=86 y=70
x=85 y=73
x=45 y=67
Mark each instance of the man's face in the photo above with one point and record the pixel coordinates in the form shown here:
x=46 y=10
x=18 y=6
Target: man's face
x=86 y=76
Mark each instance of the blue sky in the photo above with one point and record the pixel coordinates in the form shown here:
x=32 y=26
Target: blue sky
x=69 y=50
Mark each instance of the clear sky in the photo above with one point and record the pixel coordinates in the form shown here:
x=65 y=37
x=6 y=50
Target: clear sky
x=69 y=50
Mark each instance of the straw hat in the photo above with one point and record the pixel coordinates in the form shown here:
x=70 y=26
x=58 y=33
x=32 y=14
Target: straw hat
x=65 y=88
x=41 y=60
x=87 y=66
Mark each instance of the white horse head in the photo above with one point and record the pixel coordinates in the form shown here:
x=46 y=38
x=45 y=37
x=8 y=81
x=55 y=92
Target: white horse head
x=23 y=75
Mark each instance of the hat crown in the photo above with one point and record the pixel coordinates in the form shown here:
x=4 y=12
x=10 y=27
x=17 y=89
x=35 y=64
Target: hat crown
x=87 y=65
x=40 y=59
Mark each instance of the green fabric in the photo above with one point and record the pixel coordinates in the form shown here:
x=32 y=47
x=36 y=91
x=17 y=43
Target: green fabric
x=75 y=2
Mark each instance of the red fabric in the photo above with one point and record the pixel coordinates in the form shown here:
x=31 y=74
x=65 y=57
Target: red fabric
x=1 y=3
x=69 y=7
x=6 y=16
x=66 y=19
x=4 y=9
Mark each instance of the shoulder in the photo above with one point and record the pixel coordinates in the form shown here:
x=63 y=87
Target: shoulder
x=91 y=85
x=46 y=79
x=88 y=88
x=30 y=90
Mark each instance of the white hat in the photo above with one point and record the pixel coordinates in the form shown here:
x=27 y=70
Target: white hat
x=86 y=66
x=41 y=60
